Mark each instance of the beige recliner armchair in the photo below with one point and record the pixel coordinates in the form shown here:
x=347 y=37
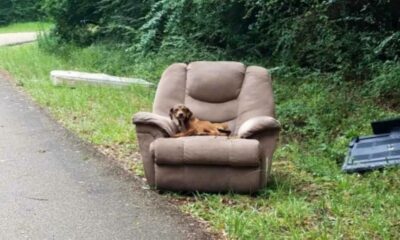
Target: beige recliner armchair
x=217 y=92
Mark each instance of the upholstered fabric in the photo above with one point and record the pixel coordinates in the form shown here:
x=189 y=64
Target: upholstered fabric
x=214 y=112
x=207 y=150
x=214 y=83
x=257 y=124
x=256 y=97
x=146 y=134
x=218 y=92
x=162 y=122
x=208 y=178
x=171 y=89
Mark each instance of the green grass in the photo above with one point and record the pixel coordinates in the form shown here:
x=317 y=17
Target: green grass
x=308 y=197
x=26 y=27
x=100 y=115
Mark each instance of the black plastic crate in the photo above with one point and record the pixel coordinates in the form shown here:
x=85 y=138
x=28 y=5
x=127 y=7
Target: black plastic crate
x=377 y=151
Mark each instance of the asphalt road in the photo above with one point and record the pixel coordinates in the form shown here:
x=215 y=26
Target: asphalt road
x=53 y=186
x=17 y=38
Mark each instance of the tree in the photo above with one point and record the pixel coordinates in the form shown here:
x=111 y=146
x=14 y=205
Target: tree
x=5 y=11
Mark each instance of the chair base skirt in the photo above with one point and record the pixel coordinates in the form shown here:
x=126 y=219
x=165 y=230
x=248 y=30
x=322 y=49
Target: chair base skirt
x=205 y=178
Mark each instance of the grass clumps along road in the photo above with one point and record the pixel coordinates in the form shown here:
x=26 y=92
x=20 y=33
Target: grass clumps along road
x=26 y=27
x=100 y=115
x=308 y=197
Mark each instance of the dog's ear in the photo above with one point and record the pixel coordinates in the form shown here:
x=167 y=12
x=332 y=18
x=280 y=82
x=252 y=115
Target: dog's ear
x=189 y=113
x=171 y=113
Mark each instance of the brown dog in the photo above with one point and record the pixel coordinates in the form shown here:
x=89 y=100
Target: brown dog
x=188 y=125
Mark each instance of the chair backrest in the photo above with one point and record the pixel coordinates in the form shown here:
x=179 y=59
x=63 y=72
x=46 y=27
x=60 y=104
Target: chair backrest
x=216 y=91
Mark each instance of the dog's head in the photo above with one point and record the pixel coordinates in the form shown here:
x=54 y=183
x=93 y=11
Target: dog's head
x=181 y=113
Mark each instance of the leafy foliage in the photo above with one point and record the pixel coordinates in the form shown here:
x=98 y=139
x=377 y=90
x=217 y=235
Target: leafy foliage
x=307 y=197
x=27 y=10
x=5 y=10
x=20 y=11
x=330 y=36
x=386 y=82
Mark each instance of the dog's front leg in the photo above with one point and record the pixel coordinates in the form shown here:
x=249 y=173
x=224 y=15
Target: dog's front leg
x=187 y=133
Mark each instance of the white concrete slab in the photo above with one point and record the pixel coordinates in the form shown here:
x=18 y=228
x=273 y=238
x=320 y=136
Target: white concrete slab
x=61 y=77
x=17 y=38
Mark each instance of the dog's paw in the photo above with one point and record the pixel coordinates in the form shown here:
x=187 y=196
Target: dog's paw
x=177 y=135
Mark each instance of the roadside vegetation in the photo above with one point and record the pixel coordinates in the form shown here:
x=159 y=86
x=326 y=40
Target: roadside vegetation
x=26 y=27
x=100 y=115
x=326 y=94
x=307 y=196
x=12 y=11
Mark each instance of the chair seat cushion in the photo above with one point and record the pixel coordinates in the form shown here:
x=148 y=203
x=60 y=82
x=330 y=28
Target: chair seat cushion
x=206 y=150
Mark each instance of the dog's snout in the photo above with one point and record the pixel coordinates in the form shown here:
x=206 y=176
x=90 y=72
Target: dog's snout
x=181 y=114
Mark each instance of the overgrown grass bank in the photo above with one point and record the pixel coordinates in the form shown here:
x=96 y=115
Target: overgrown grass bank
x=26 y=27
x=307 y=198
x=100 y=115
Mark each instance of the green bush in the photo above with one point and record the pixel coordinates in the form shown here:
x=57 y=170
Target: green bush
x=27 y=10
x=386 y=81
x=20 y=11
x=341 y=36
x=5 y=10
x=84 y=22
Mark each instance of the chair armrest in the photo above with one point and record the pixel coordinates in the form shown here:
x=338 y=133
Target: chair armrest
x=257 y=125
x=149 y=127
x=154 y=120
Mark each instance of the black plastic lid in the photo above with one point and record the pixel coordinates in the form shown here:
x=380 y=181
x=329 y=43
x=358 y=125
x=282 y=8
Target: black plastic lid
x=386 y=126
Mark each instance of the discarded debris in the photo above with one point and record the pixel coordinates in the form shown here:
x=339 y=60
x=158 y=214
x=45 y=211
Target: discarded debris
x=60 y=77
x=376 y=151
x=8 y=39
